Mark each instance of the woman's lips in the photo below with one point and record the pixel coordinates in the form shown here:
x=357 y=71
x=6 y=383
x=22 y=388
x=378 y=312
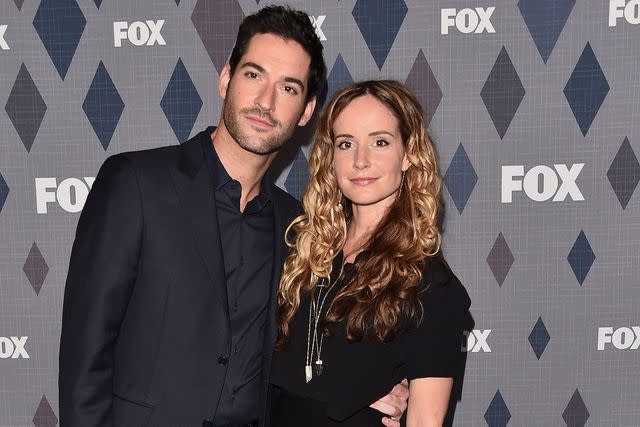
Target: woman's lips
x=363 y=181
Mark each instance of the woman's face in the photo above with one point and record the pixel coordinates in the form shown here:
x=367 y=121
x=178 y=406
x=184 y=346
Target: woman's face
x=368 y=153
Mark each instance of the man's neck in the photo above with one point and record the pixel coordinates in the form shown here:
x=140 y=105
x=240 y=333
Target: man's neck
x=241 y=165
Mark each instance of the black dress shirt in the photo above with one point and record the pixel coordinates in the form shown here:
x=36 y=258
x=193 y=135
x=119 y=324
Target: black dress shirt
x=247 y=240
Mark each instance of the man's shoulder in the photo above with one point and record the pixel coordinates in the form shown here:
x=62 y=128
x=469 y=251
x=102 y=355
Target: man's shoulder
x=160 y=157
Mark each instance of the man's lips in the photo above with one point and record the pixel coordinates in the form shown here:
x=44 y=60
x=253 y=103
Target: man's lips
x=257 y=121
x=363 y=181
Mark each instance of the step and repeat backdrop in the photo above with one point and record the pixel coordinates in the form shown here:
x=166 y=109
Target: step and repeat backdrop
x=534 y=109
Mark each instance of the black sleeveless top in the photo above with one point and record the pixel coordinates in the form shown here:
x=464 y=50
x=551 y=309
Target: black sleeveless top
x=359 y=373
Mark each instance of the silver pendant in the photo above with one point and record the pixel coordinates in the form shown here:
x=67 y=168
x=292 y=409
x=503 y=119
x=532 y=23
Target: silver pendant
x=308 y=374
x=318 y=368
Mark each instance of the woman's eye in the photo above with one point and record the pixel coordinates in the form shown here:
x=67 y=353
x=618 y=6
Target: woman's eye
x=345 y=145
x=381 y=143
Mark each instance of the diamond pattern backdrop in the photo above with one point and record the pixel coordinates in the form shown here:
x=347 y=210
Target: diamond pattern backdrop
x=515 y=92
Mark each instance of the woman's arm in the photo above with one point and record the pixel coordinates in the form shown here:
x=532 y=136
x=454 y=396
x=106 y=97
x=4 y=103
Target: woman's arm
x=428 y=401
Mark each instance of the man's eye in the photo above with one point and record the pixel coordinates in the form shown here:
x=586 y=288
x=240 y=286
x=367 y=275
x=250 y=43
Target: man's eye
x=291 y=90
x=252 y=75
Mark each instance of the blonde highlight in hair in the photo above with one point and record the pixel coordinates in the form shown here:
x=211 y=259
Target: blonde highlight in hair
x=383 y=295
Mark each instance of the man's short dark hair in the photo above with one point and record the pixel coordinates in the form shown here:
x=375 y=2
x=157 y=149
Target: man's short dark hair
x=290 y=25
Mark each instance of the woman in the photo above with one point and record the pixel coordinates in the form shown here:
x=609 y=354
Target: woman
x=365 y=298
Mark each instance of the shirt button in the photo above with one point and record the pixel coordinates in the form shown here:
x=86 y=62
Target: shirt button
x=222 y=360
x=235 y=349
x=207 y=422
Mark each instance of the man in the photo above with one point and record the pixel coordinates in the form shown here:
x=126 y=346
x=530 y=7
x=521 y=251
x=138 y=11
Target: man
x=169 y=307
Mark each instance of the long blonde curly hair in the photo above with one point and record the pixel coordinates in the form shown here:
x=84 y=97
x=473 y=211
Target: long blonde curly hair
x=383 y=294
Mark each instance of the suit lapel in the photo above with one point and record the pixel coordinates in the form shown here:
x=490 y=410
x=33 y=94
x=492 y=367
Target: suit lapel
x=195 y=190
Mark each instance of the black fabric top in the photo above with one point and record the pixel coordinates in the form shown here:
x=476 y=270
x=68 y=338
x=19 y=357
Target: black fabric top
x=247 y=238
x=357 y=374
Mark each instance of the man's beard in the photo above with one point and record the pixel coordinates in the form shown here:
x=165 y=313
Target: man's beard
x=256 y=145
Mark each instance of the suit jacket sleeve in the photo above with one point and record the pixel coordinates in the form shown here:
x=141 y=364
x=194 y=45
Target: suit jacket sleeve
x=102 y=272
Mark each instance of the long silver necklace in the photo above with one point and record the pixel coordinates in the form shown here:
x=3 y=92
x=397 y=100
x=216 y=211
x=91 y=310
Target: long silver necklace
x=314 y=344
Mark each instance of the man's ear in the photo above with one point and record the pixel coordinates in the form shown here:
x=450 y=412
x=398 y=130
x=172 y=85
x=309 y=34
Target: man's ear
x=308 y=112
x=223 y=81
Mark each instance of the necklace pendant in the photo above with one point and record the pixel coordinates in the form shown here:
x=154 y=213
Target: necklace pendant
x=308 y=374
x=318 y=368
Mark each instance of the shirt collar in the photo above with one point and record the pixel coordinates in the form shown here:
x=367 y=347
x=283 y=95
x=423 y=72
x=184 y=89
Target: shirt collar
x=220 y=175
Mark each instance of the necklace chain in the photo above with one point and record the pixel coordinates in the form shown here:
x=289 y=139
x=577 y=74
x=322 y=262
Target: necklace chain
x=314 y=344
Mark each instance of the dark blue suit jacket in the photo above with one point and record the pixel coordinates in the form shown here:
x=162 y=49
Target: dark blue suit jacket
x=145 y=325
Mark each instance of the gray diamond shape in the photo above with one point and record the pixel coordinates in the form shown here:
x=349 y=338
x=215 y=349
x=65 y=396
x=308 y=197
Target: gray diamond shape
x=502 y=93
x=217 y=23
x=500 y=259
x=35 y=268
x=44 y=416
x=25 y=107
x=576 y=413
x=624 y=173
x=424 y=85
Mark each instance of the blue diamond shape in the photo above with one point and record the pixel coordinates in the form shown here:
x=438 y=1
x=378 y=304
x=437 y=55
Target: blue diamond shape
x=103 y=105
x=338 y=77
x=379 y=22
x=298 y=177
x=502 y=93
x=98 y=3
x=545 y=20
x=25 y=108
x=586 y=89
x=424 y=85
x=497 y=414
x=460 y=178
x=539 y=338
x=576 y=413
x=4 y=191
x=181 y=102
x=581 y=257
x=60 y=24
x=624 y=173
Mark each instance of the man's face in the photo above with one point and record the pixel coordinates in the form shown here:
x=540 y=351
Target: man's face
x=265 y=98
